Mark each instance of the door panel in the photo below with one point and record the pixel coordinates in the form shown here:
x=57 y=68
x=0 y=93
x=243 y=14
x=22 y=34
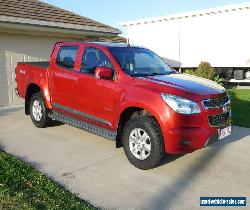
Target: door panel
x=63 y=85
x=63 y=77
x=96 y=97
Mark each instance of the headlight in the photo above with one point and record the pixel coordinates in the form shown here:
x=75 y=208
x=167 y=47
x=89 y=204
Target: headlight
x=181 y=105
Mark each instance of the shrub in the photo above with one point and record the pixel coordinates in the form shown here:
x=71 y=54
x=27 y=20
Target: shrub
x=205 y=70
x=219 y=80
x=187 y=71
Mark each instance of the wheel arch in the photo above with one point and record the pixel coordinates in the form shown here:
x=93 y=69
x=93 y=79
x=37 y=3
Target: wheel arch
x=32 y=88
x=128 y=113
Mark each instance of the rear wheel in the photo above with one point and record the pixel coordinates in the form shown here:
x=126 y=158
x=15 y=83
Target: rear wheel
x=143 y=142
x=38 y=111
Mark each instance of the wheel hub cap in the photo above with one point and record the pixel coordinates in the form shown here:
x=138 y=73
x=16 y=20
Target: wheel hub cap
x=37 y=110
x=139 y=143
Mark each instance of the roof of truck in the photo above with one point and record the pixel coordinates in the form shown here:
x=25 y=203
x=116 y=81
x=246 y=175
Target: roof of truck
x=110 y=44
x=103 y=44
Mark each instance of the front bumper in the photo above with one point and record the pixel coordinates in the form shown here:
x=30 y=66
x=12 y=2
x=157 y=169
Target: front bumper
x=187 y=133
x=184 y=140
x=192 y=133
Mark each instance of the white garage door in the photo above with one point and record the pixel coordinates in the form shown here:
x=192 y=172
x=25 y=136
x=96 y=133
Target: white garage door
x=3 y=79
x=12 y=58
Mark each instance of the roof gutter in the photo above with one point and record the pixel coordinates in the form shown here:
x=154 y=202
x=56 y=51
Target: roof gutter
x=58 y=25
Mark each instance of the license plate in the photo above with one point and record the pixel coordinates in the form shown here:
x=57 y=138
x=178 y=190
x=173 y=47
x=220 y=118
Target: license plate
x=224 y=132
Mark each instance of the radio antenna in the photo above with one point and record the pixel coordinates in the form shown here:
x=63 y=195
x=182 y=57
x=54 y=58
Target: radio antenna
x=128 y=42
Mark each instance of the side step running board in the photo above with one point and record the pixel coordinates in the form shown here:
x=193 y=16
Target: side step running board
x=83 y=125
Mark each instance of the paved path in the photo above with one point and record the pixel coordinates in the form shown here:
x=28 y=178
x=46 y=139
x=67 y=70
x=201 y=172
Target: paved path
x=94 y=169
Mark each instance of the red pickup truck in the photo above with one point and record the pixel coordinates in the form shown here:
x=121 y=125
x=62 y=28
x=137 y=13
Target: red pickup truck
x=127 y=94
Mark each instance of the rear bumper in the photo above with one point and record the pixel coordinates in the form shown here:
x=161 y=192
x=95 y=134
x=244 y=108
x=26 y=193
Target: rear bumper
x=185 y=140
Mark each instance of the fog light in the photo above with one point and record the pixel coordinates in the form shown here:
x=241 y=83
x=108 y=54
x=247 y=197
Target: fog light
x=185 y=142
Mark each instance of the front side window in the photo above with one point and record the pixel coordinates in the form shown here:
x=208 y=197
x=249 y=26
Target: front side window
x=66 y=56
x=140 y=62
x=92 y=58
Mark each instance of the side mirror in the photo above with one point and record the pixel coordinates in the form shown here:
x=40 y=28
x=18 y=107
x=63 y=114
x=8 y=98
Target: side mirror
x=103 y=72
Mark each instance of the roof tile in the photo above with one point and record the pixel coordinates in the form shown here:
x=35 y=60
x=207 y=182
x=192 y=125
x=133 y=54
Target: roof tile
x=37 y=10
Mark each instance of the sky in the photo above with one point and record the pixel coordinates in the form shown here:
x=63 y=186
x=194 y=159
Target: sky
x=112 y=12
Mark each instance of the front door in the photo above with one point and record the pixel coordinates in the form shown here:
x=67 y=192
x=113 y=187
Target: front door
x=95 y=96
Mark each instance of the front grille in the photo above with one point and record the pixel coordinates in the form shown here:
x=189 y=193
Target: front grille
x=216 y=102
x=219 y=120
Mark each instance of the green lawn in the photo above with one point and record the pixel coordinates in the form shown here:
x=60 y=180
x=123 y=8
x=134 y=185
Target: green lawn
x=22 y=187
x=240 y=107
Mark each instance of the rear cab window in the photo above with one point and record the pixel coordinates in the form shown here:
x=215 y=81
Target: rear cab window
x=66 y=56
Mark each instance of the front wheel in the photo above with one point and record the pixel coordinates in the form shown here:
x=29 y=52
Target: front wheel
x=38 y=111
x=143 y=142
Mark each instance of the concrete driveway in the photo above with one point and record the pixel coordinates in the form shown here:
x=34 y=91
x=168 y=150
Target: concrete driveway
x=95 y=170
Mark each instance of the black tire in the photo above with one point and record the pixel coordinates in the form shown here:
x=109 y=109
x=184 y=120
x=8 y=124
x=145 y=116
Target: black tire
x=153 y=130
x=44 y=119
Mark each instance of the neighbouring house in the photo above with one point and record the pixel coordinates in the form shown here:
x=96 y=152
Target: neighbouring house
x=219 y=35
x=28 y=31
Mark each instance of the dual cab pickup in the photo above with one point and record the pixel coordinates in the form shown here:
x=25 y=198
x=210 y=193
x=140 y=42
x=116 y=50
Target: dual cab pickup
x=128 y=94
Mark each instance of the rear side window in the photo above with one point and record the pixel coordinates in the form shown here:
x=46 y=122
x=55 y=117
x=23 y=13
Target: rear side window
x=66 y=56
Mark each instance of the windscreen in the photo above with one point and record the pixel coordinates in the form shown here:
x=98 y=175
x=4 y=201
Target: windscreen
x=140 y=62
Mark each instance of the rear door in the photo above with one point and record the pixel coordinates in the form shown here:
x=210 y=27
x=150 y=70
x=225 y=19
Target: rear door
x=63 y=76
